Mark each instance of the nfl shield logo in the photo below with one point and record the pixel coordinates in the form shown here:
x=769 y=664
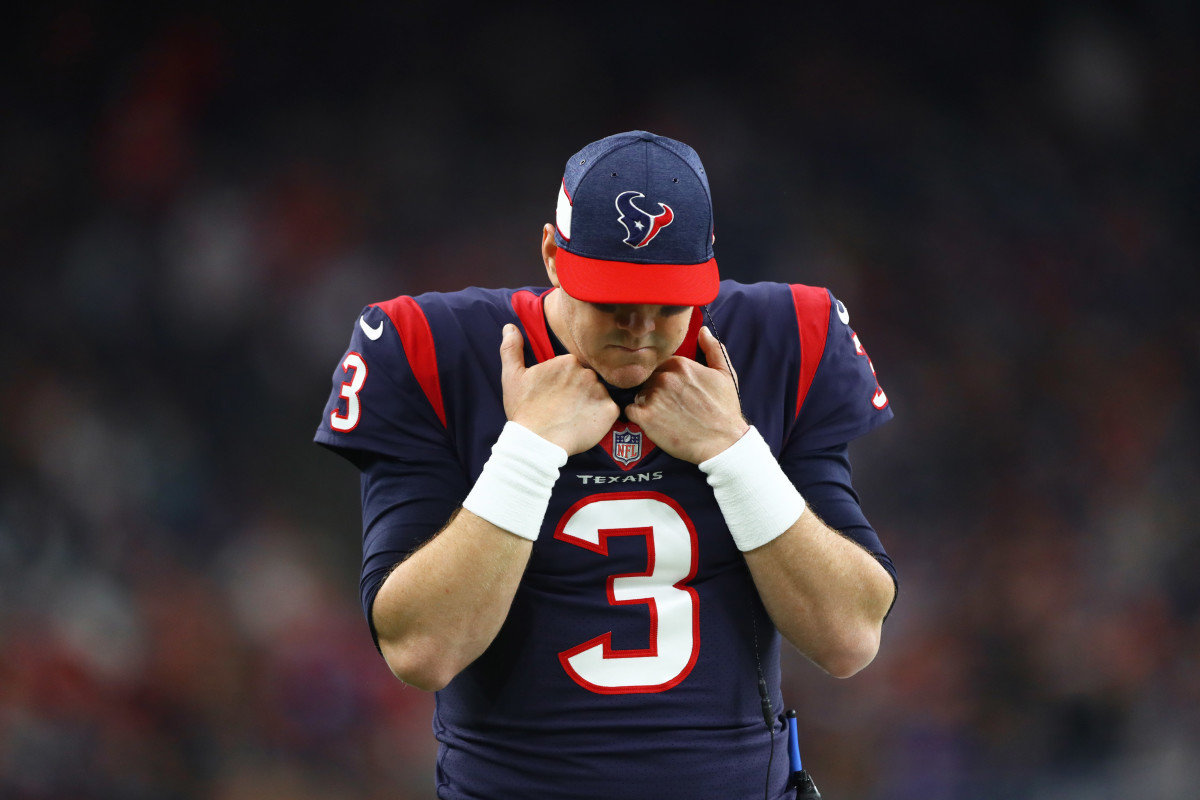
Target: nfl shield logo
x=626 y=445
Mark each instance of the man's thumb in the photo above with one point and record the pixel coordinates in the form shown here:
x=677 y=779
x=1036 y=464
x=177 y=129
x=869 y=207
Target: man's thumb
x=715 y=354
x=714 y=351
x=512 y=350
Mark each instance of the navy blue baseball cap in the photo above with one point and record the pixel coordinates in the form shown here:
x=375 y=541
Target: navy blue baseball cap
x=635 y=223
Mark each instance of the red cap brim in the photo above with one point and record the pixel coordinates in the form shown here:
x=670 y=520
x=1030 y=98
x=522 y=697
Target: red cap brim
x=595 y=281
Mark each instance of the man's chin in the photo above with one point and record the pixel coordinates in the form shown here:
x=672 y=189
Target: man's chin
x=626 y=377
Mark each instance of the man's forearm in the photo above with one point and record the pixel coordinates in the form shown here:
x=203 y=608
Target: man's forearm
x=441 y=607
x=825 y=593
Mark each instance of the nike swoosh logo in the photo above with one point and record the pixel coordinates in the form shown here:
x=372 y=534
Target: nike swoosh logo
x=843 y=313
x=372 y=333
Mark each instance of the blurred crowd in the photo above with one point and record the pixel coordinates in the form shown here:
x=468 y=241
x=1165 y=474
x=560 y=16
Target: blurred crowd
x=195 y=206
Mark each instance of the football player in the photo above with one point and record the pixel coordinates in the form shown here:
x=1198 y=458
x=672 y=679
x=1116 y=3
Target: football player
x=589 y=522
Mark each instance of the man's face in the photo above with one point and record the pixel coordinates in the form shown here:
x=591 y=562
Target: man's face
x=624 y=344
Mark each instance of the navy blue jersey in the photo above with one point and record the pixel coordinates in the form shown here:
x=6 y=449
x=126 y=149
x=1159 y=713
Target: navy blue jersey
x=628 y=663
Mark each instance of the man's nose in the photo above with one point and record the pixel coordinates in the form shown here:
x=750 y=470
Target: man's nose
x=638 y=320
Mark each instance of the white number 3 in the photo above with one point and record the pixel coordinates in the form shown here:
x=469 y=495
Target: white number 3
x=674 y=606
x=354 y=364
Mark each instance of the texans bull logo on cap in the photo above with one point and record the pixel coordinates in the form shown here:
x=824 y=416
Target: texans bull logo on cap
x=641 y=226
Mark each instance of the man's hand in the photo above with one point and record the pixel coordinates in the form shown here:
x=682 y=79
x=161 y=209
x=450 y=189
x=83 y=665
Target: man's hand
x=560 y=400
x=689 y=410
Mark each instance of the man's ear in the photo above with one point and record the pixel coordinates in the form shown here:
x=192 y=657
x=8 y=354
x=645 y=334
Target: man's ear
x=549 y=251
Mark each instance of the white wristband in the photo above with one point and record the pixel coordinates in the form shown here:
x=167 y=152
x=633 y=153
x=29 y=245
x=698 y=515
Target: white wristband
x=514 y=488
x=757 y=500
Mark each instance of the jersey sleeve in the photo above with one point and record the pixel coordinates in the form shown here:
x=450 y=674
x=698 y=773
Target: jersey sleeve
x=839 y=397
x=384 y=399
x=384 y=414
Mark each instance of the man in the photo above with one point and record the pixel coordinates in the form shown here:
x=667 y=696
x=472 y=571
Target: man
x=585 y=521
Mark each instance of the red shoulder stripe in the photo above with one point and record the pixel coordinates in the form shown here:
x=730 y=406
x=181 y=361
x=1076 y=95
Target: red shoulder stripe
x=528 y=307
x=812 y=317
x=417 y=340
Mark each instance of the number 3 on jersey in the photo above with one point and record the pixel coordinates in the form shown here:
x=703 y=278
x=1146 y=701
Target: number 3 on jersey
x=356 y=368
x=674 y=606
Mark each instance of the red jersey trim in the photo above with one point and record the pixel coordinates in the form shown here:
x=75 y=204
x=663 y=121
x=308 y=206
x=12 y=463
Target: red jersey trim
x=528 y=308
x=689 y=348
x=417 y=340
x=812 y=318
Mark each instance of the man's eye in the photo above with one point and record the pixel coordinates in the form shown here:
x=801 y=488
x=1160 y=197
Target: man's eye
x=674 y=311
x=607 y=308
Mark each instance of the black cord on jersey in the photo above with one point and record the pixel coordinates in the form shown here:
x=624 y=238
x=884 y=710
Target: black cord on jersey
x=713 y=327
x=763 y=696
x=767 y=712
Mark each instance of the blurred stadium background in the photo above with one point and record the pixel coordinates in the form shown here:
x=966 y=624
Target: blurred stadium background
x=195 y=205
